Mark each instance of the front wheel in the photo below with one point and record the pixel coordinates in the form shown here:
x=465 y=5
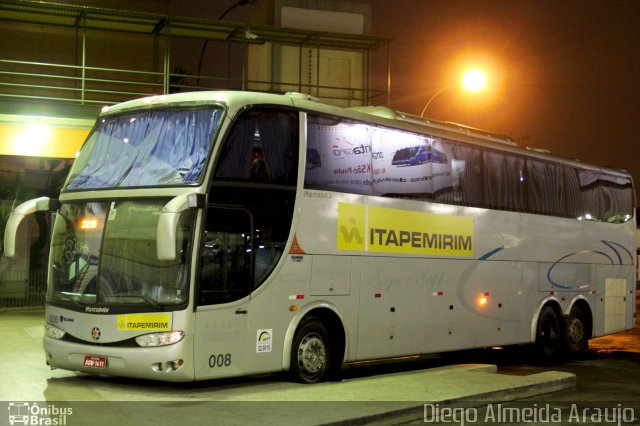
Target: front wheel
x=311 y=356
x=548 y=334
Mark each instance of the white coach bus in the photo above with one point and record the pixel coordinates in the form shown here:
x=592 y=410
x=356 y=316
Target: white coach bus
x=219 y=234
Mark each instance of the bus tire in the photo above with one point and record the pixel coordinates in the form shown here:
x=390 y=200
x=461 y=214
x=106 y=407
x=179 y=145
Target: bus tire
x=577 y=331
x=311 y=354
x=549 y=338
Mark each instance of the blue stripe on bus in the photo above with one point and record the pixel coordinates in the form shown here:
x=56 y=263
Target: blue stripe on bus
x=491 y=253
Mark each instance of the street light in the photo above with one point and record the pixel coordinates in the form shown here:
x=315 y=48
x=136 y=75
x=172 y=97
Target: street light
x=472 y=80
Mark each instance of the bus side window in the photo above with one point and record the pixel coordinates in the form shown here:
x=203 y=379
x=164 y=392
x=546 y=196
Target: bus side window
x=225 y=256
x=504 y=179
x=545 y=188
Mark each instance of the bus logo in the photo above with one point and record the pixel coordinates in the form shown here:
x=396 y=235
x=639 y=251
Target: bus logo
x=96 y=333
x=146 y=322
x=295 y=246
x=402 y=231
x=26 y=413
x=351 y=226
x=18 y=413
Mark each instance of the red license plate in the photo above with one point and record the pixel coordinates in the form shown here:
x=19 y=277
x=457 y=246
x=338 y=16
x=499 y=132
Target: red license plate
x=92 y=361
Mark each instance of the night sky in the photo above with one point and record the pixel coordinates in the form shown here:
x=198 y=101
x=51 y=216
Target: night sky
x=565 y=75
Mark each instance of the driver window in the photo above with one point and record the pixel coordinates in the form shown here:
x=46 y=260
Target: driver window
x=262 y=147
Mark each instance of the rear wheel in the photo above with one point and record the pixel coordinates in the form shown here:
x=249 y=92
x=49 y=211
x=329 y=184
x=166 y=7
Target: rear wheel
x=577 y=330
x=548 y=334
x=311 y=354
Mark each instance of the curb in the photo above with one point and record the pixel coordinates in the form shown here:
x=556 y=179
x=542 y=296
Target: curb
x=545 y=382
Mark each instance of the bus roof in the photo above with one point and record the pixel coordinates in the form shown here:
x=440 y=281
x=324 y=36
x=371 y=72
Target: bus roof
x=375 y=114
x=385 y=112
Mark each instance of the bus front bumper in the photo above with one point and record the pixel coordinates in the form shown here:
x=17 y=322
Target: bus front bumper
x=172 y=363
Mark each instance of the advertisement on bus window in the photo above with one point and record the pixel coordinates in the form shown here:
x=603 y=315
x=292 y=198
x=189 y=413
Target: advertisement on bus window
x=362 y=159
x=409 y=164
x=339 y=157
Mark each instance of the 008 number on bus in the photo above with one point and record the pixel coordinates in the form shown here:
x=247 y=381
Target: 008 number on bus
x=219 y=360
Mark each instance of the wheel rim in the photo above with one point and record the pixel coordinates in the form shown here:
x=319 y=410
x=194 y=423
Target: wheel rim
x=312 y=354
x=575 y=331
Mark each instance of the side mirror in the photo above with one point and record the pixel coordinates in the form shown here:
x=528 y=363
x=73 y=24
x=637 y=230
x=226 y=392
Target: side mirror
x=168 y=220
x=16 y=216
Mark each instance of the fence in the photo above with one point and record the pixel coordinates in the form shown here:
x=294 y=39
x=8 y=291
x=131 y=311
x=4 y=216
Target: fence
x=86 y=85
x=23 y=289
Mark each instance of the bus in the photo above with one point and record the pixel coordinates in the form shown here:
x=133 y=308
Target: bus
x=217 y=234
x=415 y=155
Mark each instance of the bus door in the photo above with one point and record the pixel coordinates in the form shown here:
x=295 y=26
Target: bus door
x=248 y=222
x=223 y=292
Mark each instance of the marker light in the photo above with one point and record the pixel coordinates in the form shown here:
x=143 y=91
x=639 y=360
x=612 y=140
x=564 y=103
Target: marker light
x=160 y=339
x=154 y=99
x=483 y=299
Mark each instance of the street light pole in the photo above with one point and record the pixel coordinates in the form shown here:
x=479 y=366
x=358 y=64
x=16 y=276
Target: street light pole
x=206 y=42
x=434 y=96
x=472 y=80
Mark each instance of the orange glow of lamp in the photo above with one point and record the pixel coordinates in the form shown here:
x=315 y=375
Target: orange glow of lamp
x=483 y=299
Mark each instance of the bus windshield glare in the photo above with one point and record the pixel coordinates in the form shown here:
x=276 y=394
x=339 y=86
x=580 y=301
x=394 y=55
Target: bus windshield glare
x=105 y=253
x=148 y=148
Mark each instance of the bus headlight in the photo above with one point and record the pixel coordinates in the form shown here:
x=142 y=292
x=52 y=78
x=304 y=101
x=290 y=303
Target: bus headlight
x=53 y=331
x=160 y=339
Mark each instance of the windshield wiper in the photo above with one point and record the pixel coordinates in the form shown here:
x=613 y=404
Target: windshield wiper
x=147 y=299
x=69 y=298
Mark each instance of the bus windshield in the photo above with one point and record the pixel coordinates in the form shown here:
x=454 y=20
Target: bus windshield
x=105 y=253
x=157 y=147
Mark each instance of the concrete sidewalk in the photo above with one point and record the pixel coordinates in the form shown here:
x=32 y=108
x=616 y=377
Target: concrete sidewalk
x=402 y=396
x=383 y=399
